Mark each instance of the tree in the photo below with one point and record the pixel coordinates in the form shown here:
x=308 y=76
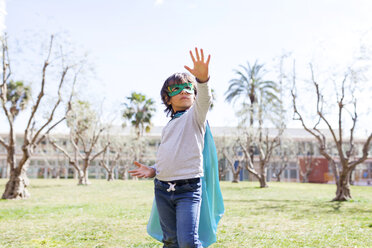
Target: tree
x=109 y=162
x=85 y=131
x=251 y=88
x=286 y=149
x=260 y=104
x=14 y=98
x=18 y=96
x=139 y=111
x=228 y=151
x=231 y=154
x=285 y=152
x=111 y=158
x=345 y=147
x=249 y=85
x=265 y=146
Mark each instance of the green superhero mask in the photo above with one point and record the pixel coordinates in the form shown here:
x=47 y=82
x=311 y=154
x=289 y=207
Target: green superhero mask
x=178 y=88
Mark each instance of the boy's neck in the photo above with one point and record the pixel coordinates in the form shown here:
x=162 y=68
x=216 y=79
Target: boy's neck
x=178 y=113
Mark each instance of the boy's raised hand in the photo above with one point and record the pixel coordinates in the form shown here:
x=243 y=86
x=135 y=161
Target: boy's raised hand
x=200 y=70
x=142 y=171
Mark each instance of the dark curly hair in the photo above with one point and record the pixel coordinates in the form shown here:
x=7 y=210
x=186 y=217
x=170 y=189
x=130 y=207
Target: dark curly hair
x=176 y=78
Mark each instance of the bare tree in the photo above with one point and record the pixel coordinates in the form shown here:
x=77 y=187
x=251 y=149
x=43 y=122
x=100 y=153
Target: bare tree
x=231 y=154
x=345 y=147
x=16 y=187
x=280 y=168
x=109 y=163
x=222 y=168
x=265 y=146
x=267 y=112
x=280 y=164
x=286 y=152
x=110 y=159
x=85 y=131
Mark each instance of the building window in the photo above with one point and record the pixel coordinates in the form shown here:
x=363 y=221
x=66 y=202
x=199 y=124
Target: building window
x=293 y=174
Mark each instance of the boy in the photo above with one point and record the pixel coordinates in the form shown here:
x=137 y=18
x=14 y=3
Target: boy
x=179 y=162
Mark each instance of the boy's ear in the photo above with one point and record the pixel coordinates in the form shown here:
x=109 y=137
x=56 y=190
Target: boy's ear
x=167 y=99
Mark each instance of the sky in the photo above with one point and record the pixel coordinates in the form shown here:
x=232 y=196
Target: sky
x=136 y=45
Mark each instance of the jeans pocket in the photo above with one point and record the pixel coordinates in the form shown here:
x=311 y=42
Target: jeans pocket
x=192 y=186
x=158 y=185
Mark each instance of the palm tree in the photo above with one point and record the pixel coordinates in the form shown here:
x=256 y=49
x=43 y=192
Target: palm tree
x=139 y=111
x=260 y=102
x=249 y=84
x=18 y=96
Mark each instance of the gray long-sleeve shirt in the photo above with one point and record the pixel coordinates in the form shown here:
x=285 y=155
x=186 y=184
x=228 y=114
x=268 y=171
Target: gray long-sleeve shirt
x=180 y=154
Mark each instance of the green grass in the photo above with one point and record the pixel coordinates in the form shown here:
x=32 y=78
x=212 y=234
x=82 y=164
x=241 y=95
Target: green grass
x=114 y=214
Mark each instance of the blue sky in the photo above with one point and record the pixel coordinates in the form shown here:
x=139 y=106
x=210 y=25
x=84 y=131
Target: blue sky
x=136 y=45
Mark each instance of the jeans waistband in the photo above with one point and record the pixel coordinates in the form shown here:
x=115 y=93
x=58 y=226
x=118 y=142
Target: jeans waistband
x=183 y=181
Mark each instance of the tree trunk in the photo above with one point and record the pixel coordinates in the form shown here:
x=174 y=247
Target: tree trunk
x=343 y=186
x=83 y=177
x=123 y=173
x=262 y=180
x=305 y=178
x=58 y=173
x=110 y=175
x=262 y=177
x=16 y=187
x=7 y=170
x=236 y=177
x=351 y=177
x=278 y=178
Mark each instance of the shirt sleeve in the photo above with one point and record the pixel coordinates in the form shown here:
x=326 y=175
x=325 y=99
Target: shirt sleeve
x=202 y=102
x=154 y=167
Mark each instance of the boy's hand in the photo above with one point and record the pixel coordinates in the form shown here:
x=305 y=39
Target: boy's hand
x=142 y=171
x=200 y=70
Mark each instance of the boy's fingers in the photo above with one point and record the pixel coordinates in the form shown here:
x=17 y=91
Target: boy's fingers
x=208 y=59
x=192 y=57
x=137 y=164
x=188 y=68
x=202 y=55
x=197 y=54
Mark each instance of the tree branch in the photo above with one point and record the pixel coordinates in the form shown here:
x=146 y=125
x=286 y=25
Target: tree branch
x=54 y=108
x=365 y=153
x=76 y=147
x=47 y=132
x=6 y=75
x=41 y=93
x=230 y=160
x=340 y=107
x=99 y=153
x=70 y=159
x=82 y=141
x=3 y=143
x=248 y=161
x=351 y=140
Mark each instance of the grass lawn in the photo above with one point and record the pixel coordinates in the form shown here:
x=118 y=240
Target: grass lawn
x=114 y=214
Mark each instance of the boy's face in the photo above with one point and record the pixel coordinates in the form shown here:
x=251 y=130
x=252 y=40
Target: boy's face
x=181 y=101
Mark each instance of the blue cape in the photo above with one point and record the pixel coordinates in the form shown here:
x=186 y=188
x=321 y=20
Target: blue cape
x=212 y=207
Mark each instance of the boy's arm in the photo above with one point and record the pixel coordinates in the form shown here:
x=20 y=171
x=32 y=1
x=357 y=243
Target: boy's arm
x=201 y=73
x=143 y=171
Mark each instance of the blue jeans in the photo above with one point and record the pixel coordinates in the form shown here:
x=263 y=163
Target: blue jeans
x=179 y=210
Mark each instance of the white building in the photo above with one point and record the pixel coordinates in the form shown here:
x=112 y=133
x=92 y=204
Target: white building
x=47 y=162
